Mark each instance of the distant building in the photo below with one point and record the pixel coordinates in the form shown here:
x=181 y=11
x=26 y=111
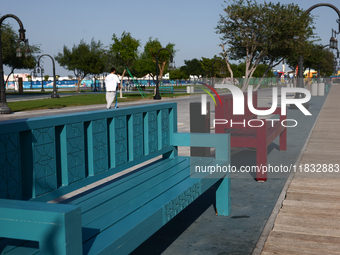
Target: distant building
x=16 y=76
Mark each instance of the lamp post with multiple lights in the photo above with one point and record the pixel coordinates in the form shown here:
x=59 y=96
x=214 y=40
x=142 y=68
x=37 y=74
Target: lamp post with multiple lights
x=4 y=109
x=333 y=44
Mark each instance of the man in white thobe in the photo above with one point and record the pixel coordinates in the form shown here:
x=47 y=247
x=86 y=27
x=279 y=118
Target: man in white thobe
x=111 y=83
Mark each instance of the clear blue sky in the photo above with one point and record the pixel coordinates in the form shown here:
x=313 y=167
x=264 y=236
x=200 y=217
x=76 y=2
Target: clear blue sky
x=189 y=24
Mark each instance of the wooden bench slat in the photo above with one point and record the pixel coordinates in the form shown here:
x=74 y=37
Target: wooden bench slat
x=136 y=193
x=121 y=184
x=144 y=221
x=91 y=179
x=124 y=207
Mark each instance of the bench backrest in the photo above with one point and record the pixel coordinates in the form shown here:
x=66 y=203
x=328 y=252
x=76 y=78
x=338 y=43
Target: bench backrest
x=41 y=155
x=225 y=111
x=165 y=89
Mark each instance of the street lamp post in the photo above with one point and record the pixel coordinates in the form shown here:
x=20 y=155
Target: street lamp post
x=157 y=95
x=32 y=80
x=4 y=109
x=319 y=73
x=300 y=82
x=55 y=94
x=42 y=78
x=94 y=84
x=335 y=64
x=34 y=74
x=333 y=44
x=319 y=65
x=40 y=70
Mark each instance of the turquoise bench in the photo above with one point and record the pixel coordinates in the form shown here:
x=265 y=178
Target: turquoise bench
x=59 y=194
x=166 y=89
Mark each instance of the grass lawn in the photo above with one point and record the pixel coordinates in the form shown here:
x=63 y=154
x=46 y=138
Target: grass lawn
x=77 y=100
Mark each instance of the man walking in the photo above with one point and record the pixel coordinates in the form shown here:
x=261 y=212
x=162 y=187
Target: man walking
x=111 y=83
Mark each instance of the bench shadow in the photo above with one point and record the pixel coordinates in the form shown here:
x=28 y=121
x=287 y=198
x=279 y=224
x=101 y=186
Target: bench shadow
x=246 y=157
x=165 y=236
x=92 y=232
x=5 y=244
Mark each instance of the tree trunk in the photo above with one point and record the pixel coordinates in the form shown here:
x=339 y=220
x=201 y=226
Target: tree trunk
x=271 y=65
x=80 y=79
x=245 y=81
x=121 y=85
x=78 y=84
x=161 y=70
x=261 y=79
x=228 y=64
x=250 y=71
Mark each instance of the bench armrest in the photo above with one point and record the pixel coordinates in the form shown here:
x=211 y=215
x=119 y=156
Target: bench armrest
x=221 y=142
x=57 y=227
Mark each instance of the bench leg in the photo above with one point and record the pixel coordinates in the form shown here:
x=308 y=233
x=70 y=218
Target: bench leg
x=223 y=203
x=261 y=153
x=66 y=240
x=61 y=245
x=261 y=161
x=283 y=140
